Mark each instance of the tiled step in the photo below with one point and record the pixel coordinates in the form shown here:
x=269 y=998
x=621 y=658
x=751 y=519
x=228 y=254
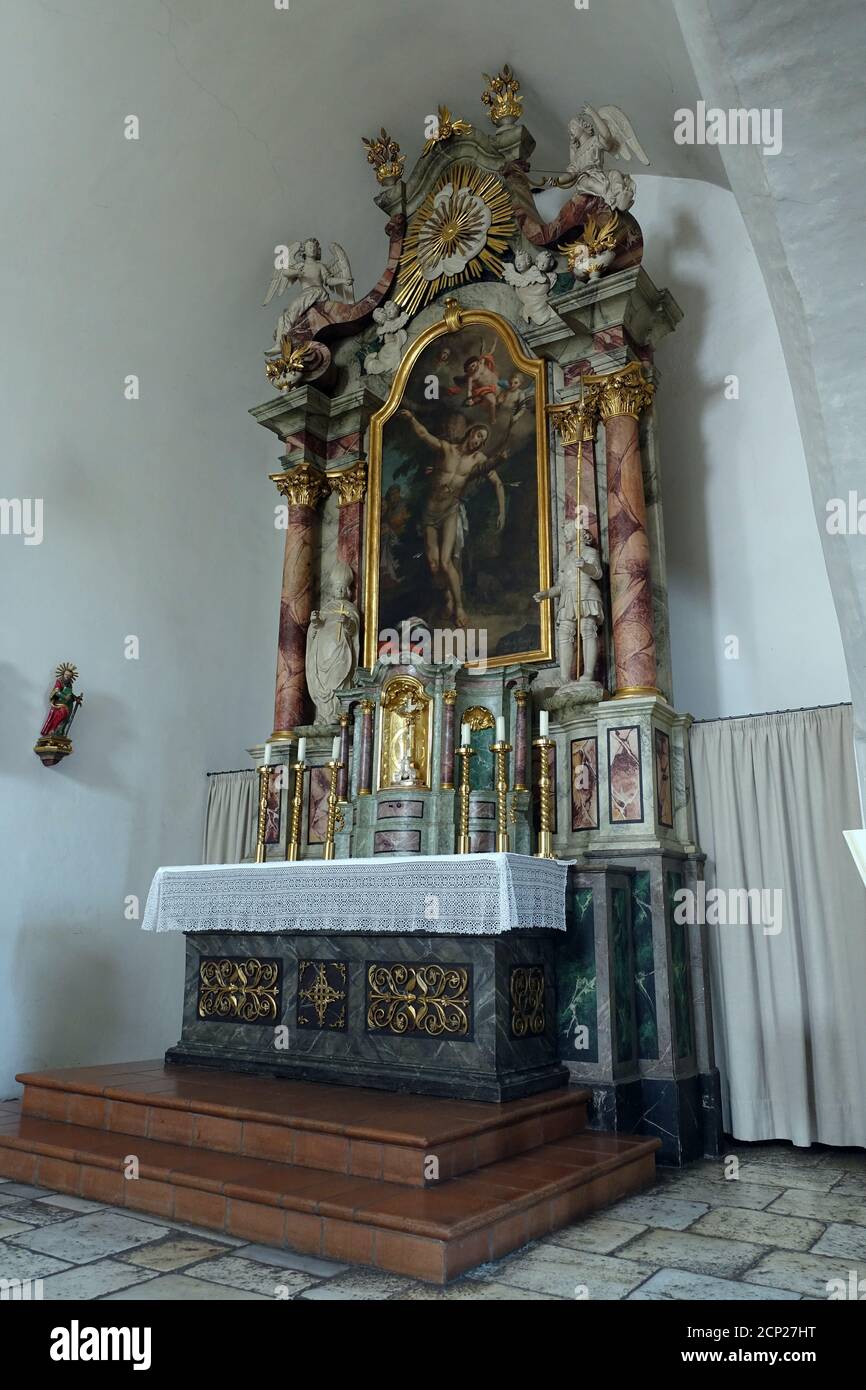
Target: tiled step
x=434 y=1233
x=408 y=1139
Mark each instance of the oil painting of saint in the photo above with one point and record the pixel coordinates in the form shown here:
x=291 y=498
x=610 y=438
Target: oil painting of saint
x=459 y=520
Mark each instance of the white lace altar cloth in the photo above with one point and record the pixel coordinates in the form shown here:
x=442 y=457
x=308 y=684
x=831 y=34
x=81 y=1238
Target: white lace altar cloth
x=476 y=895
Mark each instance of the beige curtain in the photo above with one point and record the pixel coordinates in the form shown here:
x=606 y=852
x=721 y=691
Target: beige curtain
x=773 y=794
x=231 y=817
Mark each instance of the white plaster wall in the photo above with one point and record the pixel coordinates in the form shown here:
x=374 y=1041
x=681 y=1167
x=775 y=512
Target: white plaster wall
x=743 y=549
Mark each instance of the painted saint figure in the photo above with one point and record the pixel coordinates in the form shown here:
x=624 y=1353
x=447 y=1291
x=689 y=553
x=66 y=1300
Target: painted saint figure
x=457 y=463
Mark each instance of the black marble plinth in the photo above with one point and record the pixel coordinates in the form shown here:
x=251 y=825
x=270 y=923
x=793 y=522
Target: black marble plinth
x=685 y=1113
x=465 y=1016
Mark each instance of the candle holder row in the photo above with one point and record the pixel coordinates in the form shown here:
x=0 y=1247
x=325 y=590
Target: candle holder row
x=335 y=820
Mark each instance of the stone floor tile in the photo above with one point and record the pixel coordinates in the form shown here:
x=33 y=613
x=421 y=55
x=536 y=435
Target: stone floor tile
x=551 y=1269
x=848 y=1242
x=851 y=1185
x=93 y=1280
x=702 y=1254
x=205 y=1232
x=472 y=1290
x=253 y=1275
x=669 y=1212
x=806 y=1274
x=91 y=1237
x=681 y=1285
x=35 y=1213
x=179 y=1288
x=79 y=1204
x=358 y=1284
x=291 y=1259
x=24 y=1189
x=16 y=1263
x=815 y=1179
x=599 y=1234
x=176 y=1251
x=796 y=1201
x=12 y=1228
x=750 y=1195
x=763 y=1227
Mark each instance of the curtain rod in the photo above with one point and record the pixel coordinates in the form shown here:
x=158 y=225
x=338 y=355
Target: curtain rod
x=801 y=709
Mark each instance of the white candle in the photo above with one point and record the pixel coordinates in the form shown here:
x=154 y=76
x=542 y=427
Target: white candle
x=302 y=750
x=465 y=733
x=543 y=720
x=500 y=728
x=268 y=748
x=335 y=750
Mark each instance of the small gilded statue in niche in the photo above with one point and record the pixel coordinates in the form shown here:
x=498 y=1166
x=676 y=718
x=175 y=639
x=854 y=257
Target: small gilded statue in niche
x=54 y=742
x=332 y=644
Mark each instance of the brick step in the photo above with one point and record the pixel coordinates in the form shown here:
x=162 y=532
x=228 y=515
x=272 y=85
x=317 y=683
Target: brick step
x=433 y=1234
x=408 y=1139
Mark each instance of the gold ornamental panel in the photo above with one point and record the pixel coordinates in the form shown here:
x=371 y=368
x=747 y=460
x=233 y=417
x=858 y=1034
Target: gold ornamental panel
x=242 y=990
x=527 y=1001
x=432 y=1000
x=405 y=735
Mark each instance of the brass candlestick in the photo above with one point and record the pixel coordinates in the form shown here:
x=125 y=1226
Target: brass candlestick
x=264 y=791
x=293 y=848
x=464 y=753
x=503 y=843
x=335 y=813
x=545 y=839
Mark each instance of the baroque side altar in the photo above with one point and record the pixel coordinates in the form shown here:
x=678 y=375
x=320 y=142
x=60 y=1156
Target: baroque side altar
x=473 y=650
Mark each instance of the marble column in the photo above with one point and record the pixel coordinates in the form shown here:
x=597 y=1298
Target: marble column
x=343 y=774
x=304 y=488
x=365 y=771
x=350 y=485
x=446 y=760
x=622 y=395
x=520 y=740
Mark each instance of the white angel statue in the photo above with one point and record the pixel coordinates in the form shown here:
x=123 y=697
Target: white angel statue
x=593 y=134
x=392 y=339
x=532 y=283
x=316 y=279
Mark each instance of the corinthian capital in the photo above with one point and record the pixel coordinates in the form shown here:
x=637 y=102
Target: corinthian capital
x=625 y=391
x=302 y=486
x=350 y=484
x=576 y=421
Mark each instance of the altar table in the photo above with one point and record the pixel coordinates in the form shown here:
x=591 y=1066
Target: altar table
x=433 y=974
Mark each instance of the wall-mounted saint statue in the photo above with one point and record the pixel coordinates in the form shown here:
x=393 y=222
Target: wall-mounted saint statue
x=54 y=742
x=532 y=281
x=332 y=644
x=304 y=266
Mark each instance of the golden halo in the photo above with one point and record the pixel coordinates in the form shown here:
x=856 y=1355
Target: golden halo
x=450 y=227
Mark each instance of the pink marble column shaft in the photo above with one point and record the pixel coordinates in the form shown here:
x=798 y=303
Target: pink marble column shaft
x=629 y=558
x=365 y=771
x=303 y=487
x=343 y=774
x=520 y=741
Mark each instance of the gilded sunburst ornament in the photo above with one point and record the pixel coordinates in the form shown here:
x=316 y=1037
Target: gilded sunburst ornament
x=459 y=230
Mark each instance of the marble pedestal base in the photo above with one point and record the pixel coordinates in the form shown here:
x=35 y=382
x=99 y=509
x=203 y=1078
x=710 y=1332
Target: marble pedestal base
x=685 y=1114
x=471 y=1017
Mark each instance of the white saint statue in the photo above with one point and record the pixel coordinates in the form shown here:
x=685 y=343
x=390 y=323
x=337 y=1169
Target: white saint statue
x=593 y=135
x=316 y=279
x=332 y=644
x=591 y=610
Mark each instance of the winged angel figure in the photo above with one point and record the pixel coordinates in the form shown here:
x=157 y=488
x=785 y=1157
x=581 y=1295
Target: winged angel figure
x=594 y=134
x=315 y=278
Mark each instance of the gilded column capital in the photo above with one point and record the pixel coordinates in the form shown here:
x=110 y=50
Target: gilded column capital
x=576 y=421
x=449 y=696
x=521 y=696
x=625 y=391
x=367 y=706
x=350 y=484
x=302 y=486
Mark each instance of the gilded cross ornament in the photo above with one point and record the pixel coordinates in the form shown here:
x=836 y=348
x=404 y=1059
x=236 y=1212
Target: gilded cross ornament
x=625 y=391
x=302 y=486
x=501 y=98
x=446 y=127
x=316 y=992
x=383 y=153
x=350 y=484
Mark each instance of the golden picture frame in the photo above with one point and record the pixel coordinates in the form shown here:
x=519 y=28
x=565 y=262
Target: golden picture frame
x=434 y=549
